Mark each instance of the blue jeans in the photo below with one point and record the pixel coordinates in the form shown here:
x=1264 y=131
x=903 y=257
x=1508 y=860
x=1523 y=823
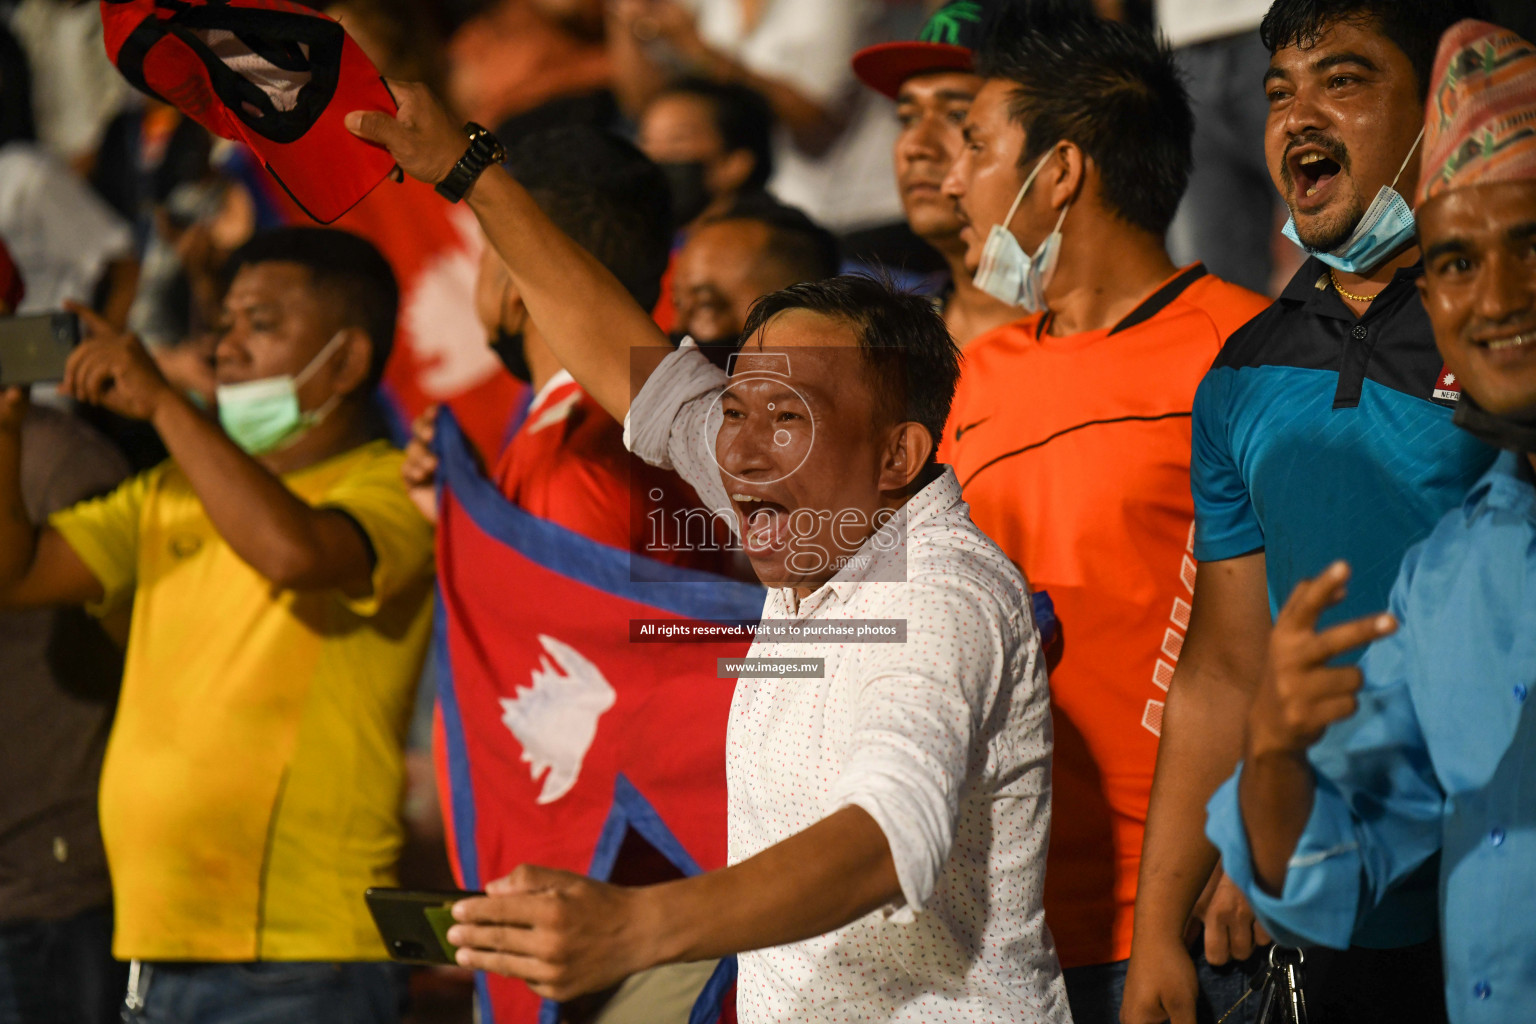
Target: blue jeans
x=60 y=972
x=1095 y=992
x=266 y=993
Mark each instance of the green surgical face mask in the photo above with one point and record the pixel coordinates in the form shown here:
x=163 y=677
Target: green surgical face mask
x=263 y=415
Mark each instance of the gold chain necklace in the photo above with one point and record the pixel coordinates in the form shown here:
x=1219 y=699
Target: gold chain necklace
x=1349 y=295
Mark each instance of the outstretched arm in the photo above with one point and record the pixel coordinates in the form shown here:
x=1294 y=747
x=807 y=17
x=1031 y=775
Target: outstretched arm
x=567 y=935
x=598 y=332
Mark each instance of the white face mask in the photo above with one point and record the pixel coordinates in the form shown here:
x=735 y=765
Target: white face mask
x=263 y=415
x=1386 y=227
x=1005 y=272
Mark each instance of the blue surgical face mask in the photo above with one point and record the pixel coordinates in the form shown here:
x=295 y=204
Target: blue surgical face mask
x=1005 y=272
x=1385 y=228
x=263 y=415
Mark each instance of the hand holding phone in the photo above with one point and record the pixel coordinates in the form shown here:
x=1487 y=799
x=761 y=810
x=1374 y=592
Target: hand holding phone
x=35 y=348
x=414 y=924
x=112 y=369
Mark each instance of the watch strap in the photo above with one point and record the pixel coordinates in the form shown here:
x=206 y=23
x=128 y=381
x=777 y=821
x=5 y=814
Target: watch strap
x=483 y=150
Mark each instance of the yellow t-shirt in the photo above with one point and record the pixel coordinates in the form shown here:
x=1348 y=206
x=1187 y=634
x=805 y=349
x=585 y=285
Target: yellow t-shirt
x=253 y=778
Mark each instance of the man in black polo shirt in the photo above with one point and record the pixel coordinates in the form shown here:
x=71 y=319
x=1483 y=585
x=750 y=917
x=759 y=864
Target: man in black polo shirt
x=1322 y=432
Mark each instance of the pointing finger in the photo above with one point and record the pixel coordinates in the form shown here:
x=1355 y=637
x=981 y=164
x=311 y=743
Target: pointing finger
x=95 y=325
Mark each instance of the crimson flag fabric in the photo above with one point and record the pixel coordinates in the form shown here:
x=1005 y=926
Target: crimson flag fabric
x=560 y=742
x=276 y=75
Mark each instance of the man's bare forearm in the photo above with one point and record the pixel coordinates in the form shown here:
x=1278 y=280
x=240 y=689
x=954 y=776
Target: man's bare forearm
x=596 y=329
x=1200 y=745
x=814 y=882
x=1208 y=701
x=1275 y=794
x=291 y=543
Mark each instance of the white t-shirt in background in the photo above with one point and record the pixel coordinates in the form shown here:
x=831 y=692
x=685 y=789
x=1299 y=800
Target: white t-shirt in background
x=808 y=44
x=60 y=233
x=1186 y=22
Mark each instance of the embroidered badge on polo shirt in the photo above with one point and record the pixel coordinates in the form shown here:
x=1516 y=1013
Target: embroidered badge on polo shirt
x=1447 y=386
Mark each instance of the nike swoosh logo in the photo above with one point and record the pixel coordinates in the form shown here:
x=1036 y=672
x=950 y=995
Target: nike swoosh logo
x=962 y=431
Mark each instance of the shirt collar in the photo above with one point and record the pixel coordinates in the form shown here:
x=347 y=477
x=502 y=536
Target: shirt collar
x=1312 y=289
x=887 y=560
x=561 y=378
x=1509 y=485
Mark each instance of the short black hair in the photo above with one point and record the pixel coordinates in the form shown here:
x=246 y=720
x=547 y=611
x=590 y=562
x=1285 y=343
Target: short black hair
x=16 y=119
x=1110 y=88
x=349 y=266
x=914 y=363
x=1413 y=26
x=742 y=116
x=805 y=249
x=604 y=193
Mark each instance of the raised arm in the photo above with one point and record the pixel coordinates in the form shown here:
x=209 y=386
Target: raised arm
x=281 y=536
x=598 y=332
x=1301 y=695
x=1338 y=799
x=1218 y=673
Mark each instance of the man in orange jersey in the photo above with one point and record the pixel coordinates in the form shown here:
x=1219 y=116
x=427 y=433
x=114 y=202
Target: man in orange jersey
x=1070 y=431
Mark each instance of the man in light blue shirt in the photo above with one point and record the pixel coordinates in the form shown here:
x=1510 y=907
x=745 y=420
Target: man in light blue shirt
x=1430 y=742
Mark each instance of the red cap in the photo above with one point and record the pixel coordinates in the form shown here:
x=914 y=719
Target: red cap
x=12 y=288
x=885 y=66
x=272 y=74
x=947 y=42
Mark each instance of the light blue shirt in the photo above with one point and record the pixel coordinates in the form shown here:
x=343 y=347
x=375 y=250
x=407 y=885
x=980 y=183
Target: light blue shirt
x=1440 y=757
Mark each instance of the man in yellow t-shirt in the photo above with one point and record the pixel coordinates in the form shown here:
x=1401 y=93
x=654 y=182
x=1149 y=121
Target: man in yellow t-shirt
x=280 y=579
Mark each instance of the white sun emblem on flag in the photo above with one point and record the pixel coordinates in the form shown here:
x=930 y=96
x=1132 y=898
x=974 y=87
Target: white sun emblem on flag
x=1450 y=378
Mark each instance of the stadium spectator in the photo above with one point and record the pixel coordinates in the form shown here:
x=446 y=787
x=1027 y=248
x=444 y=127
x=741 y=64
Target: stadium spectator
x=1078 y=144
x=1323 y=431
x=913 y=774
x=567 y=465
x=713 y=141
x=933 y=82
x=1432 y=754
x=756 y=246
x=279 y=578
x=62 y=673
x=526 y=66
x=832 y=145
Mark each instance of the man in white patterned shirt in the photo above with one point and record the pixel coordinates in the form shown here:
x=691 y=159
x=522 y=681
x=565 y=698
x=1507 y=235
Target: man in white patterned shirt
x=888 y=818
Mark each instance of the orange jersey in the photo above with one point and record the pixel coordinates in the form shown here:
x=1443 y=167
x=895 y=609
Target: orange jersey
x=1073 y=453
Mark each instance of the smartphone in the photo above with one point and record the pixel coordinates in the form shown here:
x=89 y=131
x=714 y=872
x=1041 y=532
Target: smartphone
x=34 y=349
x=415 y=924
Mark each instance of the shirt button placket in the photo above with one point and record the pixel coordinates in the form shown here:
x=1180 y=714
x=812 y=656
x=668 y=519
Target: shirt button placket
x=1360 y=332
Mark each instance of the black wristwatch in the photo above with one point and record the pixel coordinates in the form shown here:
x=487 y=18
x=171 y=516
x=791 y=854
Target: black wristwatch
x=484 y=150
